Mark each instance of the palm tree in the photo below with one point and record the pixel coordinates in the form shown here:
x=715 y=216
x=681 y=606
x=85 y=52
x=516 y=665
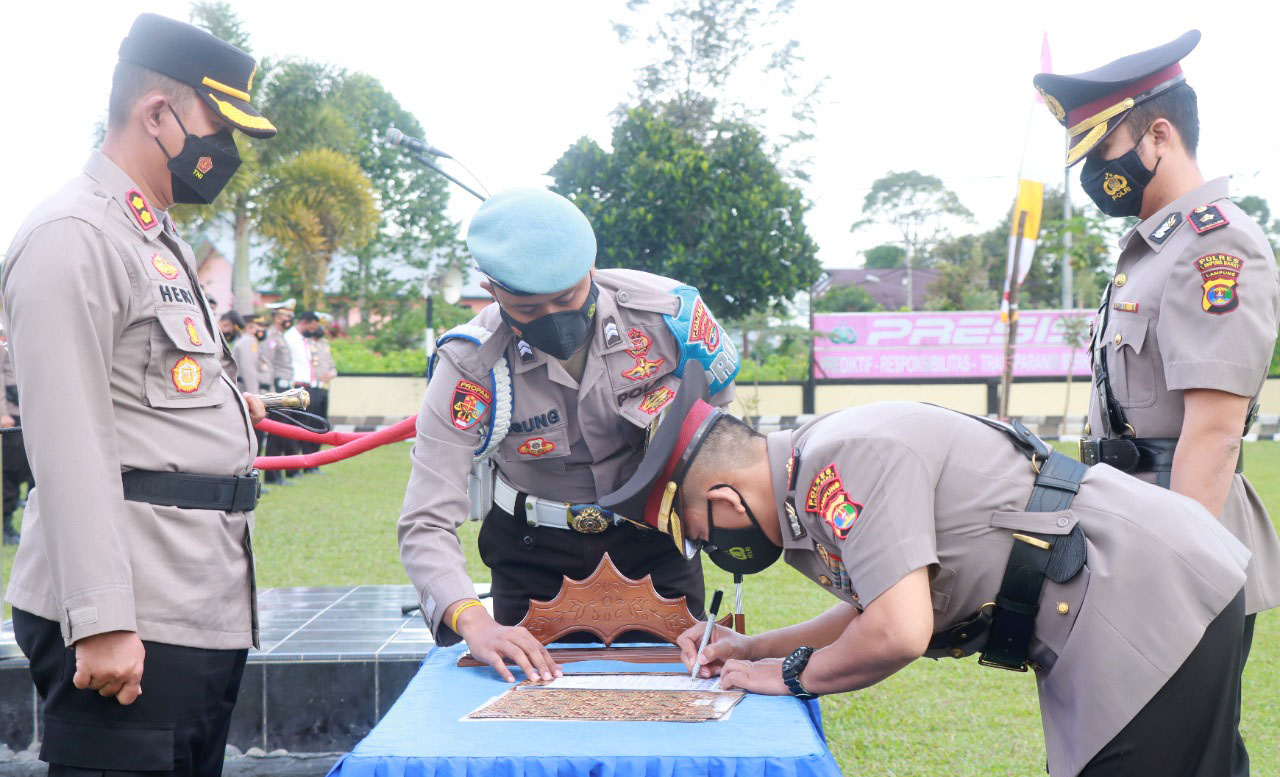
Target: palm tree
x=319 y=202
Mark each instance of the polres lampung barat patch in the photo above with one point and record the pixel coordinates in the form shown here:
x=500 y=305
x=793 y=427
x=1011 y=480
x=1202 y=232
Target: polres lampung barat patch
x=701 y=340
x=1219 y=274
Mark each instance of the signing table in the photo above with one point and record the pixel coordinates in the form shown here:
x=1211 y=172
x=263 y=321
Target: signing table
x=423 y=735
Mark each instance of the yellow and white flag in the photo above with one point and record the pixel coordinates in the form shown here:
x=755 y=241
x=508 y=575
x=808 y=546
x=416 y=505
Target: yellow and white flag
x=1022 y=241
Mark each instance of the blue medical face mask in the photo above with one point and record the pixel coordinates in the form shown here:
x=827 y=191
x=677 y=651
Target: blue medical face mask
x=1116 y=185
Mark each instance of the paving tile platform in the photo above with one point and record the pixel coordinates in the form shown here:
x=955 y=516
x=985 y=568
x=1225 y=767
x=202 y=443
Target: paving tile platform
x=332 y=662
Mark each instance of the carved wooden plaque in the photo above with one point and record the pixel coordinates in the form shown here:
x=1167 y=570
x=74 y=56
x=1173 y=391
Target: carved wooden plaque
x=609 y=604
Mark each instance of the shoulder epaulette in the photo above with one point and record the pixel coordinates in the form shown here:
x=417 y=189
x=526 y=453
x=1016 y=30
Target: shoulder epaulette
x=1206 y=218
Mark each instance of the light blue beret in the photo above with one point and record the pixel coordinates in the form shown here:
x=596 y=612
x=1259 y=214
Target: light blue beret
x=532 y=241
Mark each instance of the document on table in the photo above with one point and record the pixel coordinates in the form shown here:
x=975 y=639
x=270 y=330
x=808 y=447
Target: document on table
x=626 y=681
x=630 y=696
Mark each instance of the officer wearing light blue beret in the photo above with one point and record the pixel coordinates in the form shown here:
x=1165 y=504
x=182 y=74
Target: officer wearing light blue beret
x=534 y=408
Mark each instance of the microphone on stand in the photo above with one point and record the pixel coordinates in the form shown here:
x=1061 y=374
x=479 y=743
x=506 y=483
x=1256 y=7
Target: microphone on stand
x=395 y=137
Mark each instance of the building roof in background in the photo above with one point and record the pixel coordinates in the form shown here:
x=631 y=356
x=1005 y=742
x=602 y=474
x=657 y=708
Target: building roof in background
x=886 y=286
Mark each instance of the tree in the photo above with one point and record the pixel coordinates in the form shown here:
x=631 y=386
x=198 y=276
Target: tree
x=886 y=256
x=920 y=207
x=962 y=286
x=319 y=106
x=715 y=213
x=319 y=202
x=1092 y=239
x=713 y=48
x=846 y=299
x=1260 y=211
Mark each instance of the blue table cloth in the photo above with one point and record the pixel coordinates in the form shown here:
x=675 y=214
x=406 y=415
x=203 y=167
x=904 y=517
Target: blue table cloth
x=423 y=735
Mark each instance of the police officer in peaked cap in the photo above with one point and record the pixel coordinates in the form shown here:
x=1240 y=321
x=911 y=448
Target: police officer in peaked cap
x=1183 y=339
x=536 y=407
x=945 y=535
x=132 y=590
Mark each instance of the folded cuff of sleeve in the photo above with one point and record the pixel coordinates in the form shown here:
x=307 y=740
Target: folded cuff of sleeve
x=97 y=611
x=1239 y=379
x=436 y=599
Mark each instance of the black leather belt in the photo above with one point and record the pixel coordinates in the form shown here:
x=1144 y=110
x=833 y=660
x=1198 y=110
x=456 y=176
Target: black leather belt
x=1136 y=454
x=231 y=494
x=1004 y=634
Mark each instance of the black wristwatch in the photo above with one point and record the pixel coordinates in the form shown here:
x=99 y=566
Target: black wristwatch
x=792 y=666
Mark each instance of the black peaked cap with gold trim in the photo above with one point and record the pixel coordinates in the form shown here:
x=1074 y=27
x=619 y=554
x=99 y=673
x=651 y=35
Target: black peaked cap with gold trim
x=652 y=495
x=1091 y=105
x=220 y=73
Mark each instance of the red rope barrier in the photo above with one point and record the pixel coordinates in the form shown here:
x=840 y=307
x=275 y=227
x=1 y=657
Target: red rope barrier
x=397 y=432
x=292 y=432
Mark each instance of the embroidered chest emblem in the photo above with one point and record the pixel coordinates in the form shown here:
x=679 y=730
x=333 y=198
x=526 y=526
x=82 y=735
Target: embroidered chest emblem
x=193 y=334
x=538 y=446
x=186 y=374
x=656 y=400
x=167 y=269
x=644 y=368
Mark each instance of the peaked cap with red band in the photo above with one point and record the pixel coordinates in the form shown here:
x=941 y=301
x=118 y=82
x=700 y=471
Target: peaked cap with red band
x=652 y=494
x=1091 y=105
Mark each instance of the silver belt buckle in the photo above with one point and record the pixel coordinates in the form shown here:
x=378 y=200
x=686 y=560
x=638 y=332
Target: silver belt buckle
x=586 y=519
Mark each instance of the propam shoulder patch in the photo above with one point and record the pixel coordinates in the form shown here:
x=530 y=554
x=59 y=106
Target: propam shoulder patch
x=701 y=340
x=1206 y=218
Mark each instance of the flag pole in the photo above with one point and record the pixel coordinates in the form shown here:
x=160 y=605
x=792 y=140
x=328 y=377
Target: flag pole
x=1010 y=332
x=1068 y=279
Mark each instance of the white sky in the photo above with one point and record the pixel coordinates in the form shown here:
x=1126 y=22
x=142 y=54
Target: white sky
x=506 y=86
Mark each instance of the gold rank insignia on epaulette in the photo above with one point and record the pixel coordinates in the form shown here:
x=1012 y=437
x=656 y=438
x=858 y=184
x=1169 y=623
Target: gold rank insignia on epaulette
x=1206 y=218
x=141 y=211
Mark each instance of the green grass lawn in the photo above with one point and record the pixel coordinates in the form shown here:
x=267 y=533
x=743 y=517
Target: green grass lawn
x=934 y=717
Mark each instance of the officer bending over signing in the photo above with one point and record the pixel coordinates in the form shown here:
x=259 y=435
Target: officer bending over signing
x=545 y=398
x=944 y=535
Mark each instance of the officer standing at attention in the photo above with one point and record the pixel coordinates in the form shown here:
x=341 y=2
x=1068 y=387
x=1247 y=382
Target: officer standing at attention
x=14 y=466
x=280 y=355
x=553 y=387
x=944 y=535
x=132 y=590
x=1184 y=337
x=244 y=350
x=321 y=369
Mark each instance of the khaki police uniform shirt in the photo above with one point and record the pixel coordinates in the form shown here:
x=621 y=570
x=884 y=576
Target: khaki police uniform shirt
x=245 y=353
x=1195 y=310
x=322 y=366
x=121 y=366
x=870 y=494
x=264 y=365
x=568 y=441
x=281 y=359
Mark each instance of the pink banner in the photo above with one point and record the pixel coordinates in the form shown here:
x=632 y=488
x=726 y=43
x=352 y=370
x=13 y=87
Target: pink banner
x=943 y=345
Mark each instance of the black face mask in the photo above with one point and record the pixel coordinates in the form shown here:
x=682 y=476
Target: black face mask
x=203 y=167
x=261 y=334
x=559 y=335
x=1116 y=185
x=314 y=333
x=740 y=551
